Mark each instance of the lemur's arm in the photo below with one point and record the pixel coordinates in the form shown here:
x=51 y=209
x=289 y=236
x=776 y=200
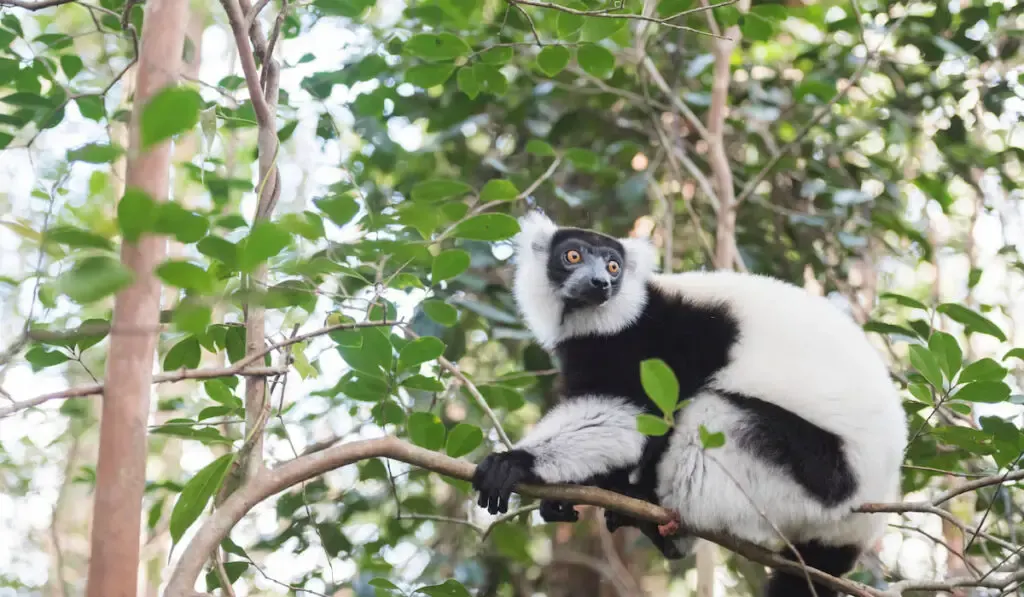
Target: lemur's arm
x=581 y=439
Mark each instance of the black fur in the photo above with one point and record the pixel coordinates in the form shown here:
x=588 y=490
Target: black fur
x=697 y=347
x=812 y=456
x=836 y=561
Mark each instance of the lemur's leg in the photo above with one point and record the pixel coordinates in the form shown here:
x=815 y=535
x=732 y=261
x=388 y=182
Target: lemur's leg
x=580 y=439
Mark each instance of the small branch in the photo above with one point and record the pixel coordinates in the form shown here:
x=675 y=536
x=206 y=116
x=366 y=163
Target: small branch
x=239 y=368
x=36 y=5
x=505 y=518
x=245 y=56
x=182 y=374
x=605 y=14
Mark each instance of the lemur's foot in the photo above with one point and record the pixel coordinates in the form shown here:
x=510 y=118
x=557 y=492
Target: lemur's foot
x=558 y=511
x=671 y=527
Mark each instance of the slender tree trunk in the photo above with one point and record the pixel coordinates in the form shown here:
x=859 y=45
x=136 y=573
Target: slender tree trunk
x=121 y=470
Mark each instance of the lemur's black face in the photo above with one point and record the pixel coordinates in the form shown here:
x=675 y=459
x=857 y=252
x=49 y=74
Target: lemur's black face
x=585 y=266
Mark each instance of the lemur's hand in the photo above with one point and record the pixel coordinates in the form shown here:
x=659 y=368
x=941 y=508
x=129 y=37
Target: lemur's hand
x=498 y=474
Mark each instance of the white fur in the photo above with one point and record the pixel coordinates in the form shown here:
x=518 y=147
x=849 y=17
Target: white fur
x=584 y=437
x=798 y=351
x=540 y=304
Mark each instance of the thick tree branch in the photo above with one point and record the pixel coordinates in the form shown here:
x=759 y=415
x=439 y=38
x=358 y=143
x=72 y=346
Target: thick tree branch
x=272 y=481
x=121 y=465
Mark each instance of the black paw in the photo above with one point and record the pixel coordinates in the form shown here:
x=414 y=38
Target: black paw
x=498 y=474
x=558 y=511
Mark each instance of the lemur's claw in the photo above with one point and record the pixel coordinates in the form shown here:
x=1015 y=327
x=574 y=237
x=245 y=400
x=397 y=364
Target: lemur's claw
x=558 y=511
x=498 y=474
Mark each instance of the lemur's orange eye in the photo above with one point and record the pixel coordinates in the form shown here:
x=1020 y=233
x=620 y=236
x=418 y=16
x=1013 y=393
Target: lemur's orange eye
x=613 y=267
x=573 y=256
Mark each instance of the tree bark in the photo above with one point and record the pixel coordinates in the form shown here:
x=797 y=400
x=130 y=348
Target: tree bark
x=121 y=469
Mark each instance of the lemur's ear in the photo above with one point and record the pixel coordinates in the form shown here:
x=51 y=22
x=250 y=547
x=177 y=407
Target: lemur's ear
x=641 y=258
x=535 y=232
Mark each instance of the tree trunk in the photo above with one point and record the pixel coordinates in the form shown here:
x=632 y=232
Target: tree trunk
x=121 y=469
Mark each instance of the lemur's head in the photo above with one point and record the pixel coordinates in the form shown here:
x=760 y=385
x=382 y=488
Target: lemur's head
x=572 y=281
x=585 y=266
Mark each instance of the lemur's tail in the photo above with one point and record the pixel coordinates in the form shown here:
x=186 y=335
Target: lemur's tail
x=835 y=560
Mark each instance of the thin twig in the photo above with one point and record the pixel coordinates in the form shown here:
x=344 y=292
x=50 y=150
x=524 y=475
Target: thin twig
x=604 y=14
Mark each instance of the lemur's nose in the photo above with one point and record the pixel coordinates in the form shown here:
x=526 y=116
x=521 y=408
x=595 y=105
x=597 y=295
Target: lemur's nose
x=601 y=283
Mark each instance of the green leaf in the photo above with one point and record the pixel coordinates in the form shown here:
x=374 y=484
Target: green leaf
x=973 y=321
x=539 y=148
x=372 y=356
x=463 y=439
x=171 y=111
x=76 y=238
x=420 y=351
x=711 y=440
x=266 y=240
x=669 y=8
x=906 y=301
x=40 y=358
x=340 y=209
x=94 y=153
x=71 y=65
x=770 y=12
x=183 y=355
x=1014 y=353
x=449 y=264
x=947 y=352
x=926 y=364
x=584 y=159
x=660 y=384
x=429 y=75
x=983 y=370
x=185 y=225
x=441 y=312
x=136 y=214
x=498 y=189
x=651 y=425
x=755 y=28
x=439 y=189
x=487 y=227
x=922 y=392
x=442 y=46
x=91 y=107
x=553 y=59
x=497 y=55
x=449 y=588
x=426 y=430
x=983 y=391
x=468 y=82
x=94 y=278
x=423 y=383
x=184 y=274
x=217 y=248
x=596 y=29
x=567 y=24
x=596 y=60
x=197 y=493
